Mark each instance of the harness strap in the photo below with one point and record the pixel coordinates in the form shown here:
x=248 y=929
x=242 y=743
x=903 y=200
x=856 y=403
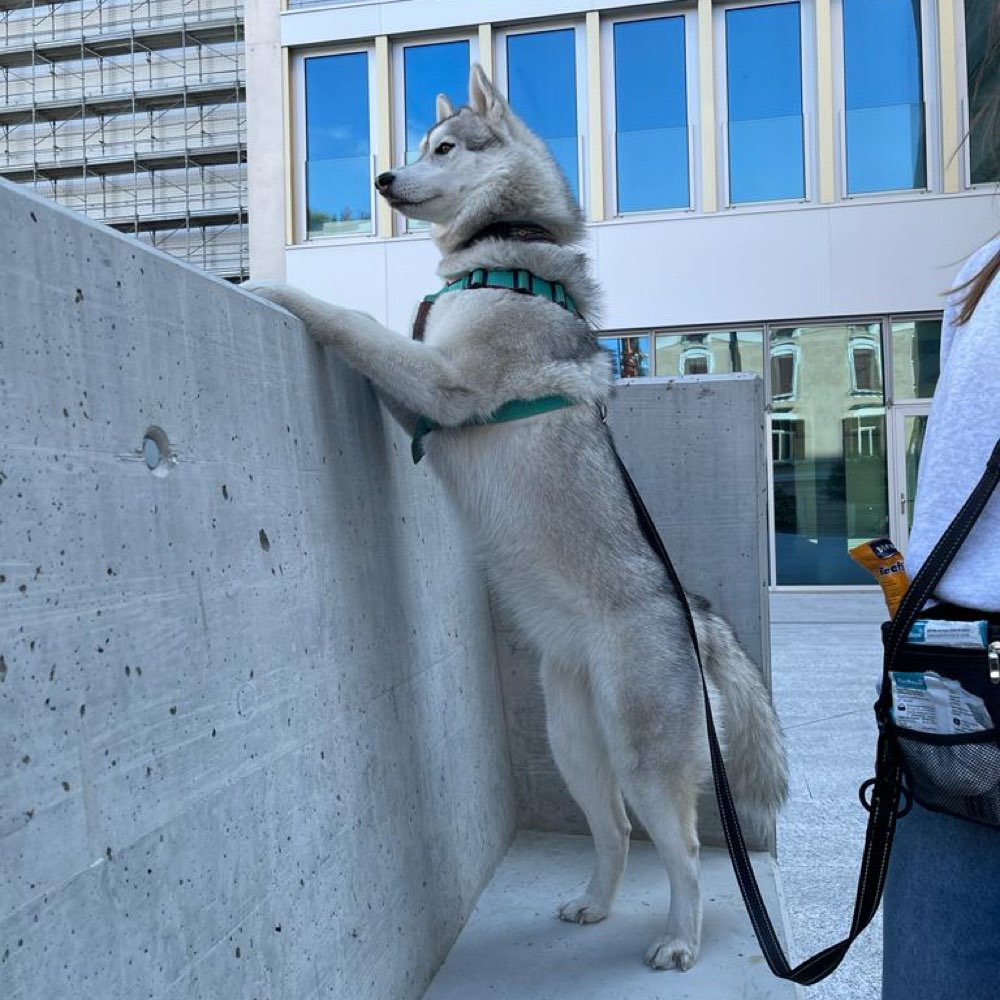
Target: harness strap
x=515 y=279
x=515 y=409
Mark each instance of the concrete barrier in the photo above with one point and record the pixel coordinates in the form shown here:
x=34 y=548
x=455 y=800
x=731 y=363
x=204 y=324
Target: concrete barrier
x=252 y=700
x=251 y=734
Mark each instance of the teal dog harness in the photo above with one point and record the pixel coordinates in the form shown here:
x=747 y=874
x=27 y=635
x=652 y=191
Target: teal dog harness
x=513 y=280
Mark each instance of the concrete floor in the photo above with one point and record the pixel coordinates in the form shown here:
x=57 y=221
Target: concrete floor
x=826 y=655
x=515 y=948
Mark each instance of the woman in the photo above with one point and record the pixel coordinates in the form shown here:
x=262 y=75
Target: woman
x=941 y=915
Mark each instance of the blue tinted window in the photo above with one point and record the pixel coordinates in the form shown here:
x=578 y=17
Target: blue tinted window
x=429 y=70
x=651 y=140
x=338 y=145
x=764 y=92
x=541 y=87
x=883 y=93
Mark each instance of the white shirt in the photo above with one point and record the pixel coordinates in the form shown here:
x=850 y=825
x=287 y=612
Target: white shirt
x=962 y=429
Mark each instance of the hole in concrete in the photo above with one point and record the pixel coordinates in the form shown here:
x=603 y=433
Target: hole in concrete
x=156 y=451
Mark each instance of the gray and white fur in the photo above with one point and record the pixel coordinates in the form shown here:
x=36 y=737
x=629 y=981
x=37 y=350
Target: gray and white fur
x=550 y=514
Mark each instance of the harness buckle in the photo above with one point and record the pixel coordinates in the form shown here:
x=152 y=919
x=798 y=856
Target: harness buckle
x=478 y=278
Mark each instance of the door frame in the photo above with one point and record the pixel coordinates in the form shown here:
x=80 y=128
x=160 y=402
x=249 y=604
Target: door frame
x=899 y=499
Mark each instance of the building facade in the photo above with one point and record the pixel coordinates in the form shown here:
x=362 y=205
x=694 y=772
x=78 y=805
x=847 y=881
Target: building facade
x=776 y=186
x=133 y=112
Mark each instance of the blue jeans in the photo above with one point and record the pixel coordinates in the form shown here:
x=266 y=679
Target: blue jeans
x=941 y=912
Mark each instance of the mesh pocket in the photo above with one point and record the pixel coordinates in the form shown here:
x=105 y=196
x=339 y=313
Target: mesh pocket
x=959 y=775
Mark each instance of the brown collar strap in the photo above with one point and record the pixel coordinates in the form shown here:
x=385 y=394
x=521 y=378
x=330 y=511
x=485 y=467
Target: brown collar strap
x=520 y=232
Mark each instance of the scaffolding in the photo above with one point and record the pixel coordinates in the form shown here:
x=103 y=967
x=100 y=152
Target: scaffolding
x=133 y=112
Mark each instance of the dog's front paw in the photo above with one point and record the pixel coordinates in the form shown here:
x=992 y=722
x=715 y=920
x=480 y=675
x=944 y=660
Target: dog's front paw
x=671 y=953
x=582 y=910
x=274 y=291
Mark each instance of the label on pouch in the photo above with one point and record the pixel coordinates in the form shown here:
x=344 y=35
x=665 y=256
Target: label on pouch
x=934 y=632
x=930 y=703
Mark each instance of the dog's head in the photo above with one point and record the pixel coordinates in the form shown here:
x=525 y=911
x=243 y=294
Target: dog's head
x=481 y=164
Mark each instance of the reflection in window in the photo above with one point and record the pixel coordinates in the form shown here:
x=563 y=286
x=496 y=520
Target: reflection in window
x=787 y=439
x=541 y=87
x=651 y=137
x=981 y=48
x=629 y=355
x=863 y=360
x=429 y=70
x=916 y=357
x=864 y=435
x=764 y=94
x=784 y=370
x=714 y=351
x=883 y=84
x=829 y=455
x=338 y=145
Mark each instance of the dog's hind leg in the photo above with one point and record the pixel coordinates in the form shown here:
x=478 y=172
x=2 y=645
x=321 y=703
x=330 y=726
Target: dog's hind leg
x=667 y=807
x=582 y=757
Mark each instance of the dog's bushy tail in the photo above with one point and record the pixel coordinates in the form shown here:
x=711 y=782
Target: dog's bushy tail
x=754 y=747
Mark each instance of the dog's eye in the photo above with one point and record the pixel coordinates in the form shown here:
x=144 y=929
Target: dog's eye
x=444 y=147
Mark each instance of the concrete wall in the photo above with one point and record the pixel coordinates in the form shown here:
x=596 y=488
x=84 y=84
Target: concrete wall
x=251 y=738
x=696 y=450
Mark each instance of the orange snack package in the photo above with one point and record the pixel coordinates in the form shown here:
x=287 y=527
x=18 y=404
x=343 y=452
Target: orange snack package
x=885 y=562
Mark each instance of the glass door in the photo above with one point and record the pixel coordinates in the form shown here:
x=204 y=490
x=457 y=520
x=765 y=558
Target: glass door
x=909 y=424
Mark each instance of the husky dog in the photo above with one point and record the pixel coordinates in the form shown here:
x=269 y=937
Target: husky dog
x=548 y=508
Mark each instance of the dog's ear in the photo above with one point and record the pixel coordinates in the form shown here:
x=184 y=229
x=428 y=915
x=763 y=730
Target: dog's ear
x=484 y=98
x=445 y=109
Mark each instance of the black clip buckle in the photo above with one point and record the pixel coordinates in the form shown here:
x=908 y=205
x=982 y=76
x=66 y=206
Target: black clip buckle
x=867 y=802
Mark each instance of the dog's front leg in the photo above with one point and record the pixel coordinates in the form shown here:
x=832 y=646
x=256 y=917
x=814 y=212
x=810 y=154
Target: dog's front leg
x=411 y=377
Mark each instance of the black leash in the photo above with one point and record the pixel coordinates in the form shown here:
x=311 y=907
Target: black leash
x=883 y=807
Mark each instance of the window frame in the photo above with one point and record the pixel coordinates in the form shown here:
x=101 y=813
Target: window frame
x=398 y=102
x=693 y=106
x=810 y=137
x=300 y=189
x=500 y=80
x=930 y=83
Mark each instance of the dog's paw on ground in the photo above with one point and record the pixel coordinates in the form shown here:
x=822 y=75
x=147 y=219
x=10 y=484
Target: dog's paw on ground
x=582 y=910
x=671 y=953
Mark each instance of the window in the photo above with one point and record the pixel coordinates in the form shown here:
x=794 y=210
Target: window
x=763 y=65
x=696 y=361
x=916 y=357
x=784 y=370
x=982 y=52
x=787 y=439
x=884 y=131
x=710 y=352
x=651 y=152
x=629 y=355
x=423 y=72
x=338 y=157
x=864 y=364
x=829 y=469
x=541 y=73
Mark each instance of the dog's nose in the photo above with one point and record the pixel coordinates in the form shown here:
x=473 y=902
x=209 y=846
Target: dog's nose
x=384 y=180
